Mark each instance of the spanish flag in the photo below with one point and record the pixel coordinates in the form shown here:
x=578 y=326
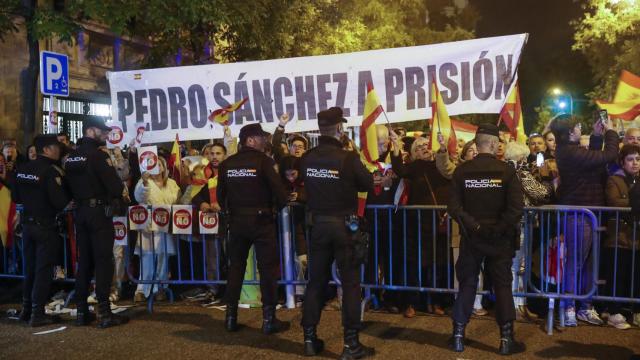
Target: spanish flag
x=368 y=133
x=175 y=161
x=7 y=216
x=441 y=123
x=626 y=102
x=511 y=115
x=221 y=116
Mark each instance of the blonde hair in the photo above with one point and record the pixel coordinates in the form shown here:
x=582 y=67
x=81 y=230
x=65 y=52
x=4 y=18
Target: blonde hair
x=418 y=142
x=516 y=151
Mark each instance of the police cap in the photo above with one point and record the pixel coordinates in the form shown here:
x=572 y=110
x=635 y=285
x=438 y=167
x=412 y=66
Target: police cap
x=94 y=123
x=251 y=130
x=330 y=117
x=488 y=129
x=42 y=141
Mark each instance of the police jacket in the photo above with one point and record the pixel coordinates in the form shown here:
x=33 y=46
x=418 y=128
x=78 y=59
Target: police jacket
x=40 y=189
x=91 y=174
x=486 y=191
x=333 y=177
x=248 y=181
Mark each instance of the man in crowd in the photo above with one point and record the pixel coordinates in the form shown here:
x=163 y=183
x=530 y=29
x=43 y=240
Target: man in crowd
x=488 y=216
x=39 y=187
x=631 y=136
x=247 y=187
x=97 y=191
x=333 y=177
x=536 y=146
x=298 y=144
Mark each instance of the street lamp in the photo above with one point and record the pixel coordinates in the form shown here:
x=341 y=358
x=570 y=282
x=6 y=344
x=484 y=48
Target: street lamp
x=562 y=104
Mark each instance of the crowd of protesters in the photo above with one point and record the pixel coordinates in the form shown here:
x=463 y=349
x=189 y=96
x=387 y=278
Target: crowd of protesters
x=560 y=166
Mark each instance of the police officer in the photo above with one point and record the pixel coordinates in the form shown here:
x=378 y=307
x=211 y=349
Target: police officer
x=39 y=187
x=332 y=178
x=96 y=189
x=248 y=188
x=486 y=199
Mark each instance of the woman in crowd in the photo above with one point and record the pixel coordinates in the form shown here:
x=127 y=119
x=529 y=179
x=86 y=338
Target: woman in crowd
x=154 y=248
x=550 y=141
x=535 y=193
x=619 y=252
x=426 y=187
x=31 y=152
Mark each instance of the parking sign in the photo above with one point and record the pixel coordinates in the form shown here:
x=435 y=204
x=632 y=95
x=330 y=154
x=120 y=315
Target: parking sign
x=54 y=74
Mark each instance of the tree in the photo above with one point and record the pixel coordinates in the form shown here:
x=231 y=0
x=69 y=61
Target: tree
x=608 y=36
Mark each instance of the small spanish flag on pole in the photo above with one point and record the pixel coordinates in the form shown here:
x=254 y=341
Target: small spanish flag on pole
x=441 y=122
x=369 y=139
x=511 y=115
x=221 y=116
x=175 y=161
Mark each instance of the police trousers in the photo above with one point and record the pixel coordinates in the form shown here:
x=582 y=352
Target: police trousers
x=498 y=260
x=331 y=241
x=95 y=237
x=41 y=246
x=259 y=231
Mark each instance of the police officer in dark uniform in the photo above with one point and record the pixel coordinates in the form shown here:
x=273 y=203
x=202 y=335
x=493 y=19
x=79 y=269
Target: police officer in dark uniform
x=332 y=178
x=39 y=188
x=486 y=199
x=248 y=189
x=97 y=191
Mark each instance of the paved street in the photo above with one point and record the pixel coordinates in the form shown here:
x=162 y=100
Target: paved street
x=190 y=332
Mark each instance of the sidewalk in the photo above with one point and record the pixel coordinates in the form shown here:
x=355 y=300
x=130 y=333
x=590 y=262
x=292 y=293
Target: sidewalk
x=191 y=332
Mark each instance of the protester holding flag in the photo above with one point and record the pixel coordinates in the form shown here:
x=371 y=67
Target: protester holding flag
x=154 y=248
x=298 y=144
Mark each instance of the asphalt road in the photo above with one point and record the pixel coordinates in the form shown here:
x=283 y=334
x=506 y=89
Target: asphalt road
x=185 y=331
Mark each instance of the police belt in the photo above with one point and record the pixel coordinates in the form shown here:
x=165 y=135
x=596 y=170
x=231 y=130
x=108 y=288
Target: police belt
x=251 y=212
x=39 y=221
x=92 y=202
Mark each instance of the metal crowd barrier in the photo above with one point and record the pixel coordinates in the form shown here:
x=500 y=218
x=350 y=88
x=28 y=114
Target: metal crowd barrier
x=412 y=250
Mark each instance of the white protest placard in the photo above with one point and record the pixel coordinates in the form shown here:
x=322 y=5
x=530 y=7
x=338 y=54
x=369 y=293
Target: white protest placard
x=139 y=218
x=148 y=160
x=473 y=76
x=182 y=219
x=160 y=218
x=120 y=230
x=116 y=136
x=208 y=222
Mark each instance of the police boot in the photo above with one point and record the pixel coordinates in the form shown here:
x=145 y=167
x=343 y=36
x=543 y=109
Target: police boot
x=25 y=313
x=108 y=319
x=508 y=345
x=84 y=317
x=270 y=324
x=39 y=318
x=457 y=338
x=353 y=349
x=231 y=318
x=312 y=345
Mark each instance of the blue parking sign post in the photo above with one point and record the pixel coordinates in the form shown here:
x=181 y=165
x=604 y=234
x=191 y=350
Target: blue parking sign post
x=54 y=81
x=54 y=74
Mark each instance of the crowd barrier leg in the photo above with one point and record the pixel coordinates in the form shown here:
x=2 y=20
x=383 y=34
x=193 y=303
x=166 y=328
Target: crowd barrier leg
x=289 y=262
x=550 y=314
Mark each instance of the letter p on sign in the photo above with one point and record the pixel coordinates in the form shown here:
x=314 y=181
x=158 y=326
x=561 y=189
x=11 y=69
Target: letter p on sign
x=54 y=74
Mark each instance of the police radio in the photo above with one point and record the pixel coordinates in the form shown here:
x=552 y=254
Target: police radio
x=352 y=223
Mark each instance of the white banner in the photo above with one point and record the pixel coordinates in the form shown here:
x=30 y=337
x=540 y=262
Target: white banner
x=120 y=230
x=474 y=76
x=208 y=222
x=139 y=217
x=182 y=219
x=160 y=218
x=148 y=160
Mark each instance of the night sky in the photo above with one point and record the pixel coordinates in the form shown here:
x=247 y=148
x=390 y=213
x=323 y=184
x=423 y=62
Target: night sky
x=547 y=59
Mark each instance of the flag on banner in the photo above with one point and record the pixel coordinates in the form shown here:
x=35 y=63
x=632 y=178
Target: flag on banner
x=626 y=102
x=221 y=116
x=7 y=216
x=174 y=162
x=368 y=133
x=440 y=122
x=138 y=217
x=511 y=115
x=182 y=219
x=120 y=230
